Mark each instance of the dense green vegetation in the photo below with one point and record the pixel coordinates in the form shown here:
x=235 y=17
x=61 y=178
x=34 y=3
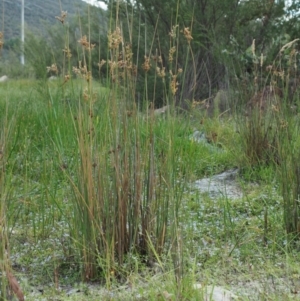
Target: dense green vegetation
x=99 y=190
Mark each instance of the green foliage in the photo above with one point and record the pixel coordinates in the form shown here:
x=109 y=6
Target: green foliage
x=12 y=67
x=222 y=32
x=36 y=56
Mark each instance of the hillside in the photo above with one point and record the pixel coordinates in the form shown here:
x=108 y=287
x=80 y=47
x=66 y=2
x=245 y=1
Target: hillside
x=38 y=13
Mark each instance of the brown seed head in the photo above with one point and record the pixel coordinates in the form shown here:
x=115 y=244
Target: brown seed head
x=161 y=72
x=173 y=84
x=171 y=53
x=86 y=44
x=88 y=76
x=115 y=39
x=62 y=17
x=66 y=78
x=52 y=68
x=101 y=63
x=146 y=65
x=67 y=52
x=172 y=33
x=187 y=34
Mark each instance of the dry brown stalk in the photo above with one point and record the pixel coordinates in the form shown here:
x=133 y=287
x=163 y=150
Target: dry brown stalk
x=1 y=40
x=14 y=285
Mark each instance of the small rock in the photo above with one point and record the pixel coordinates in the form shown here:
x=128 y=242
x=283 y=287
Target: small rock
x=73 y=291
x=161 y=111
x=198 y=137
x=220 y=185
x=216 y=293
x=3 y=78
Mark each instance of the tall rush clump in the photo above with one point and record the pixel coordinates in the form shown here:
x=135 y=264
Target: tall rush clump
x=271 y=129
x=258 y=124
x=126 y=190
x=289 y=143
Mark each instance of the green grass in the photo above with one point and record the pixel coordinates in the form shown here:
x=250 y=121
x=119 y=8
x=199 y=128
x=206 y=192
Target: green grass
x=232 y=243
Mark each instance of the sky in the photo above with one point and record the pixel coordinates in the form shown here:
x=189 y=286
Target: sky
x=96 y=3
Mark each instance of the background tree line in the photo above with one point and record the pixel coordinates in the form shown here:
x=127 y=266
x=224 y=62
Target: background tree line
x=223 y=32
x=218 y=56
